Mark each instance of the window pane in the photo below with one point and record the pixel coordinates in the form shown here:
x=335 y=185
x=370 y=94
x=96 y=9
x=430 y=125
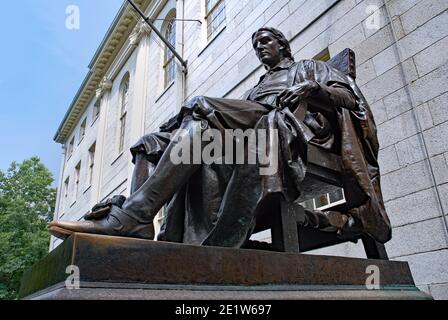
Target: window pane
x=215 y=18
x=321 y=201
x=122 y=133
x=77 y=176
x=124 y=97
x=211 y=4
x=70 y=147
x=337 y=196
x=66 y=191
x=82 y=131
x=309 y=204
x=324 y=55
x=169 y=63
x=96 y=109
x=91 y=162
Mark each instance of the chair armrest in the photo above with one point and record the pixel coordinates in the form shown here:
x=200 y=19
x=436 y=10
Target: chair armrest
x=323 y=158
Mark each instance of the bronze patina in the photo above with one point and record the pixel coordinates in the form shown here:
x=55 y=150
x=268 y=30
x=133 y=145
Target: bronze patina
x=218 y=204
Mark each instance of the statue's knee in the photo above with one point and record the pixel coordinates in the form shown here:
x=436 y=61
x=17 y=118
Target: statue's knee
x=194 y=125
x=195 y=101
x=150 y=139
x=140 y=157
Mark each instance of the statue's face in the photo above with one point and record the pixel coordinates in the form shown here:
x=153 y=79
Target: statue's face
x=268 y=48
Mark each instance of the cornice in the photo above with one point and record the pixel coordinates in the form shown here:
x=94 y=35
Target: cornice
x=122 y=27
x=140 y=30
x=104 y=87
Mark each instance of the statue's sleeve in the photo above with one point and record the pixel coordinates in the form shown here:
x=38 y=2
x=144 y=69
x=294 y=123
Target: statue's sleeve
x=334 y=88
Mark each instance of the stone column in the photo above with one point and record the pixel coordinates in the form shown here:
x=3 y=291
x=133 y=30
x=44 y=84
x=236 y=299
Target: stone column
x=139 y=40
x=102 y=93
x=60 y=193
x=180 y=83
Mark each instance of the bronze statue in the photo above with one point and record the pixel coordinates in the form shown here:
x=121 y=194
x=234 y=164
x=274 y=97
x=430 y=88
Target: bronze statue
x=217 y=204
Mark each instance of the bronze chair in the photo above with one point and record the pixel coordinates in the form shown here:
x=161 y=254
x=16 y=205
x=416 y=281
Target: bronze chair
x=323 y=176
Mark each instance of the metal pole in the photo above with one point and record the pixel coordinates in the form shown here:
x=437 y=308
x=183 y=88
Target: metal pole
x=166 y=42
x=182 y=20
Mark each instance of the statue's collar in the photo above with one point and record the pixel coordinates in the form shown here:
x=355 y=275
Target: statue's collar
x=285 y=63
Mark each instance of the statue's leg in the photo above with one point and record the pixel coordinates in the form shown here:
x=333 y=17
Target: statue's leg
x=136 y=216
x=167 y=177
x=146 y=153
x=237 y=213
x=143 y=169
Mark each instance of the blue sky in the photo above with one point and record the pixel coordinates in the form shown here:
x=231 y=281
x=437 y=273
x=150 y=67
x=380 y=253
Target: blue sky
x=42 y=66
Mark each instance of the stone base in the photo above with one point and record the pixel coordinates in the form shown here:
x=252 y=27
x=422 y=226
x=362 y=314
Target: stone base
x=123 y=268
x=100 y=291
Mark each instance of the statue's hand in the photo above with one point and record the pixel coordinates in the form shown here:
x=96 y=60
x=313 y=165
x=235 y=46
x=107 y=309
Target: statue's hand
x=290 y=98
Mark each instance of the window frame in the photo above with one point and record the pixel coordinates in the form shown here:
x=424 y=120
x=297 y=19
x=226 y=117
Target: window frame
x=70 y=148
x=77 y=180
x=92 y=151
x=208 y=13
x=96 y=110
x=169 y=62
x=324 y=55
x=82 y=130
x=66 y=192
x=124 y=102
x=312 y=203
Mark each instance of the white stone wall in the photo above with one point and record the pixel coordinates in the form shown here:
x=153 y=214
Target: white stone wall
x=226 y=66
x=115 y=163
x=162 y=101
x=419 y=232
x=71 y=207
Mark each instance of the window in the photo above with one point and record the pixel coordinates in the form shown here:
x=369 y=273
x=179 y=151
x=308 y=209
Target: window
x=77 y=176
x=96 y=110
x=82 y=130
x=169 y=65
x=91 y=162
x=215 y=16
x=70 y=148
x=325 y=201
x=124 y=99
x=324 y=55
x=66 y=185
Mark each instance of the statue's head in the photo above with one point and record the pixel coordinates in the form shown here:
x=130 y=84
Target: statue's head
x=271 y=46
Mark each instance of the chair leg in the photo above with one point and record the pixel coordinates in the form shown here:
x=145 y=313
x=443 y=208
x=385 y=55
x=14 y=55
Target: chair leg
x=277 y=234
x=284 y=232
x=374 y=249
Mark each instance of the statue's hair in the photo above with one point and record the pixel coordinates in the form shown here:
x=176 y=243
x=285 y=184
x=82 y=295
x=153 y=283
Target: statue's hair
x=279 y=36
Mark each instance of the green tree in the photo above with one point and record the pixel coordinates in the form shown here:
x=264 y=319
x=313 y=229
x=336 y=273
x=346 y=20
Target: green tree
x=26 y=206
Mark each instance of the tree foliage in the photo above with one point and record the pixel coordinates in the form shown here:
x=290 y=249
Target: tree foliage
x=26 y=206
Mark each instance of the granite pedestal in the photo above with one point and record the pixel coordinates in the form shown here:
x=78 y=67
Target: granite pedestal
x=124 y=268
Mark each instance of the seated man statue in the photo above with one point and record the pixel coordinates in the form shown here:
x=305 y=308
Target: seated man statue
x=217 y=204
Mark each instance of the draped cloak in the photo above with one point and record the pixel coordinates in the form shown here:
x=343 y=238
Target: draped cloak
x=220 y=203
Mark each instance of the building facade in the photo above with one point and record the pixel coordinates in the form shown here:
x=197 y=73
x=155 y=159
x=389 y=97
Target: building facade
x=135 y=84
